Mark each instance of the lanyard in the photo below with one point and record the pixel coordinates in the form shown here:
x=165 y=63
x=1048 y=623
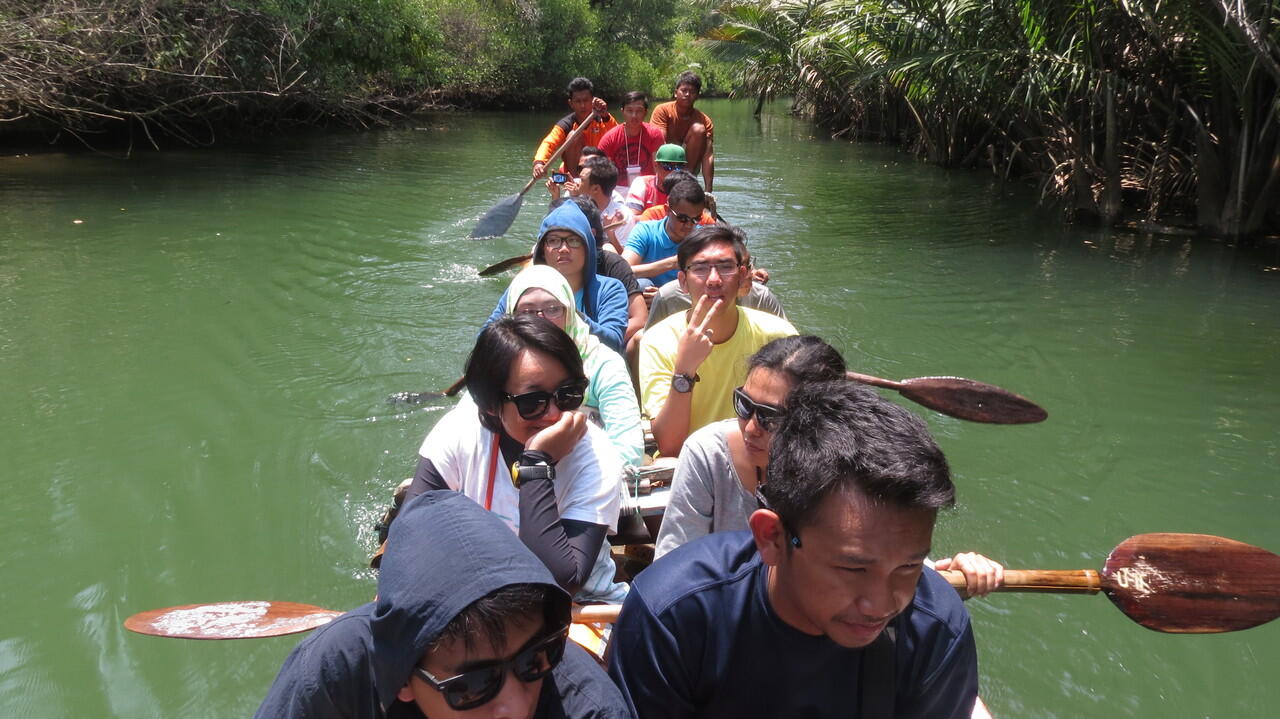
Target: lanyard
x=493 y=474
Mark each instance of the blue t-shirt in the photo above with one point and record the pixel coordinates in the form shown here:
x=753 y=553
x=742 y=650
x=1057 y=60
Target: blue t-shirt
x=649 y=240
x=698 y=637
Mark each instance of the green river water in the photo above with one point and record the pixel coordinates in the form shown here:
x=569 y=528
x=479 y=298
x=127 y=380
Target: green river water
x=196 y=348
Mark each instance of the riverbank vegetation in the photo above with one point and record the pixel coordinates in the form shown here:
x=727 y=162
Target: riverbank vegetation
x=190 y=70
x=1160 y=111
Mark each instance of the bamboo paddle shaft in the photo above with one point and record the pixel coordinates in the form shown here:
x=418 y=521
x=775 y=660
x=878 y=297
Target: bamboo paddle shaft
x=876 y=381
x=1055 y=581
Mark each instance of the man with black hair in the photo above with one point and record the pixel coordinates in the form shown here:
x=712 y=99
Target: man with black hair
x=690 y=128
x=691 y=362
x=824 y=608
x=586 y=108
x=597 y=181
x=475 y=633
x=651 y=246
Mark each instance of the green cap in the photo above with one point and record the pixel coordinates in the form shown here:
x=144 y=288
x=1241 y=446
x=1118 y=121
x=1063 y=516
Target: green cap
x=669 y=153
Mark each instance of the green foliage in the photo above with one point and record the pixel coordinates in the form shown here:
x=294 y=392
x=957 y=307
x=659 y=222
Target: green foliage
x=1168 y=106
x=86 y=65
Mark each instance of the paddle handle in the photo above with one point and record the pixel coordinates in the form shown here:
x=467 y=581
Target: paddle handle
x=551 y=161
x=596 y=613
x=876 y=381
x=1052 y=581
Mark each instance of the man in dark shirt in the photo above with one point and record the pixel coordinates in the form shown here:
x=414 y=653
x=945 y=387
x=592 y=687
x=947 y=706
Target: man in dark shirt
x=823 y=609
x=468 y=622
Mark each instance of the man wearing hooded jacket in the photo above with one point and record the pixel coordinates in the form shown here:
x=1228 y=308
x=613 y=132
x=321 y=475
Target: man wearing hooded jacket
x=601 y=300
x=467 y=622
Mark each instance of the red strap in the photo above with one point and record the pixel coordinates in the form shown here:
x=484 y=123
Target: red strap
x=493 y=474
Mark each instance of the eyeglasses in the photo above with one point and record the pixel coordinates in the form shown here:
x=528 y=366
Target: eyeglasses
x=554 y=243
x=766 y=416
x=701 y=270
x=553 y=311
x=671 y=166
x=478 y=686
x=559 y=178
x=681 y=217
x=532 y=405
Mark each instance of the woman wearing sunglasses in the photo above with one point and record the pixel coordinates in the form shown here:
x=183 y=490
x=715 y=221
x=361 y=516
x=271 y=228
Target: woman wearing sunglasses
x=567 y=245
x=610 y=400
x=522 y=450
x=722 y=464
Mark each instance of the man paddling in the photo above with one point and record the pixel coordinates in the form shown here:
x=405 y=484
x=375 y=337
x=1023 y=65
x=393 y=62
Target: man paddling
x=824 y=608
x=585 y=105
x=691 y=128
x=476 y=633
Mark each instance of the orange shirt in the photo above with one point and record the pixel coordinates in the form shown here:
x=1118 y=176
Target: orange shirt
x=665 y=117
x=658 y=212
x=565 y=125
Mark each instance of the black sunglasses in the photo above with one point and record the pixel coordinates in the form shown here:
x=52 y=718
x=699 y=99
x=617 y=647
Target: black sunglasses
x=532 y=405
x=671 y=166
x=766 y=416
x=474 y=687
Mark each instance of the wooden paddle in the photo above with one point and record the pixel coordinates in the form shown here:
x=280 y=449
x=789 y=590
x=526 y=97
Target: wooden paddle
x=1175 y=583
x=420 y=397
x=498 y=219
x=963 y=398
x=503 y=266
x=254 y=620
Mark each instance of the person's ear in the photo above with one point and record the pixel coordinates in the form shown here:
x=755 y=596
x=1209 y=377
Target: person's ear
x=406 y=692
x=680 y=278
x=744 y=287
x=770 y=537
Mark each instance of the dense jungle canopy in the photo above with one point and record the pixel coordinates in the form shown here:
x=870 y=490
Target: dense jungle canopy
x=1160 y=111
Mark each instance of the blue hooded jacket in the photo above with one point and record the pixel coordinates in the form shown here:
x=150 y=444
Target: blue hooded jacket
x=444 y=552
x=602 y=300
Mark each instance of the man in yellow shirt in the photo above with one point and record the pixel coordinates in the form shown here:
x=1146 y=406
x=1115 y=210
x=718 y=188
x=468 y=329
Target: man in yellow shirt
x=691 y=362
x=586 y=108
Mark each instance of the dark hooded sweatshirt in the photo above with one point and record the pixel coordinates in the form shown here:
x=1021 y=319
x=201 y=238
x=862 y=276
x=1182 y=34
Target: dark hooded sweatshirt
x=602 y=300
x=444 y=552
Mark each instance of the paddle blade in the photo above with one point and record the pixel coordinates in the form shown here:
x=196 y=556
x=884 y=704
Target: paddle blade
x=505 y=265
x=498 y=219
x=974 y=401
x=230 y=620
x=1193 y=583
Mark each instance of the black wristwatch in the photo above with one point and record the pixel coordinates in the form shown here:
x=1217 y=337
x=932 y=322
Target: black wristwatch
x=683 y=383
x=521 y=473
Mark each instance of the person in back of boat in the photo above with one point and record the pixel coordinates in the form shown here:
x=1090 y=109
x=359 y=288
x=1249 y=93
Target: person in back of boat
x=475 y=633
x=688 y=127
x=691 y=362
x=586 y=108
x=567 y=244
x=610 y=401
x=722 y=465
x=651 y=246
x=671 y=298
x=521 y=449
x=632 y=145
x=646 y=190
x=825 y=607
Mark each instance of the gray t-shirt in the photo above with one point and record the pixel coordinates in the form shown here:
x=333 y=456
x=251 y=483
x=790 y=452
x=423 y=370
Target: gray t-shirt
x=671 y=299
x=706 y=494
